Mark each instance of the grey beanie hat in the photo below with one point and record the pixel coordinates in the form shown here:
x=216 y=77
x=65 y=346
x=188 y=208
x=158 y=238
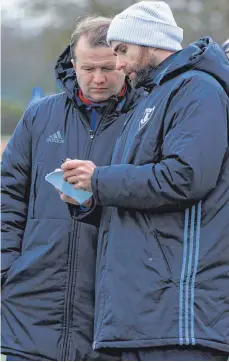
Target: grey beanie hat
x=148 y=23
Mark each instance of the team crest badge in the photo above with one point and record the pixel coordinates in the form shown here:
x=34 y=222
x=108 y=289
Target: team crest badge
x=146 y=117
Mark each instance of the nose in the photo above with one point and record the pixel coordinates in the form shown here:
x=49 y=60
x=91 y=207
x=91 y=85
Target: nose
x=99 y=77
x=120 y=64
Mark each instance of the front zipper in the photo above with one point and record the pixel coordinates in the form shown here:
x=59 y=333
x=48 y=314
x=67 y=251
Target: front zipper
x=73 y=249
x=90 y=131
x=34 y=195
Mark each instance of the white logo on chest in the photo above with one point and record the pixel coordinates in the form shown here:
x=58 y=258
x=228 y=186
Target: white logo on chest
x=146 y=117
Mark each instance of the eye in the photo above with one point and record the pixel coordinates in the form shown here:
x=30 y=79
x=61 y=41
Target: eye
x=88 y=69
x=122 y=50
x=108 y=69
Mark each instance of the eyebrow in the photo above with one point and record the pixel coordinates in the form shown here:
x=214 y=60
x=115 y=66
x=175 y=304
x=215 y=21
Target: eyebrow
x=94 y=65
x=117 y=47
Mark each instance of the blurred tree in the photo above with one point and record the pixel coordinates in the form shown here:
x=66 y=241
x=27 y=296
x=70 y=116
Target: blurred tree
x=11 y=112
x=31 y=44
x=199 y=18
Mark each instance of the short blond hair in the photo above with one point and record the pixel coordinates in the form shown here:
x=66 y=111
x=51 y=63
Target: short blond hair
x=94 y=27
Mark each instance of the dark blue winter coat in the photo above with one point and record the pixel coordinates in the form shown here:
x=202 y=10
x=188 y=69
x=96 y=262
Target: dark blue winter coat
x=48 y=262
x=163 y=251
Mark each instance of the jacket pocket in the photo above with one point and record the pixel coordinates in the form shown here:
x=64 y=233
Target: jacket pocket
x=154 y=239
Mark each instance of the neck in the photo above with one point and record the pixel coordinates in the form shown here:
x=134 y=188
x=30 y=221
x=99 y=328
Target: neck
x=160 y=55
x=88 y=101
x=83 y=98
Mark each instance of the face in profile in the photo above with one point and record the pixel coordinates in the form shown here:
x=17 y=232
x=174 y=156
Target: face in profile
x=136 y=61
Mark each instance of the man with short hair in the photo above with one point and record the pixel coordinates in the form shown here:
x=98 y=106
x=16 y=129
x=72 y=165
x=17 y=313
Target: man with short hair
x=48 y=273
x=163 y=251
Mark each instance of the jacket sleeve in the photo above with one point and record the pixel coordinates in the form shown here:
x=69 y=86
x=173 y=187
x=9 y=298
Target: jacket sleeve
x=16 y=170
x=192 y=154
x=90 y=215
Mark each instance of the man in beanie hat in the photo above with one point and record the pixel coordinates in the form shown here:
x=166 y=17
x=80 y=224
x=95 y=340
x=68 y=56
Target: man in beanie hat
x=162 y=263
x=152 y=27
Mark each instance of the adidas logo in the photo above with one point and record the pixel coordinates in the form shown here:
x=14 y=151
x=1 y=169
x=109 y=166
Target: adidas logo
x=55 y=137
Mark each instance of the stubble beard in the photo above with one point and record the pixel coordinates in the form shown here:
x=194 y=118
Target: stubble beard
x=141 y=76
x=142 y=73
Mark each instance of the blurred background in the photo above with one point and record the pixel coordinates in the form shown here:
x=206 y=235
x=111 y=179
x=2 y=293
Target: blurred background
x=35 y=32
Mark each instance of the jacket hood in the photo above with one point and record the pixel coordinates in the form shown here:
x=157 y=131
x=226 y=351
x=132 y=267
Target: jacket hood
x=204 y=55
x=65 y=73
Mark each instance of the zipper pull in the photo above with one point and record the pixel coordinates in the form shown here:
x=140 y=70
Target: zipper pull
x=94 y=345
x=91 y=134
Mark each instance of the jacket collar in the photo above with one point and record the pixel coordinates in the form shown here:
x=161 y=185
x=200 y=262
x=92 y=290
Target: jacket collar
x=87 y=101
x=157 y=74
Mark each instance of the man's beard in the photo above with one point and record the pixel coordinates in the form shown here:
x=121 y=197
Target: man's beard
x=141 y=76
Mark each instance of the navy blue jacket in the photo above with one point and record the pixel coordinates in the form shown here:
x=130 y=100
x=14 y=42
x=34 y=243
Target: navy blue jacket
x=163 y=251
x=48 y=262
